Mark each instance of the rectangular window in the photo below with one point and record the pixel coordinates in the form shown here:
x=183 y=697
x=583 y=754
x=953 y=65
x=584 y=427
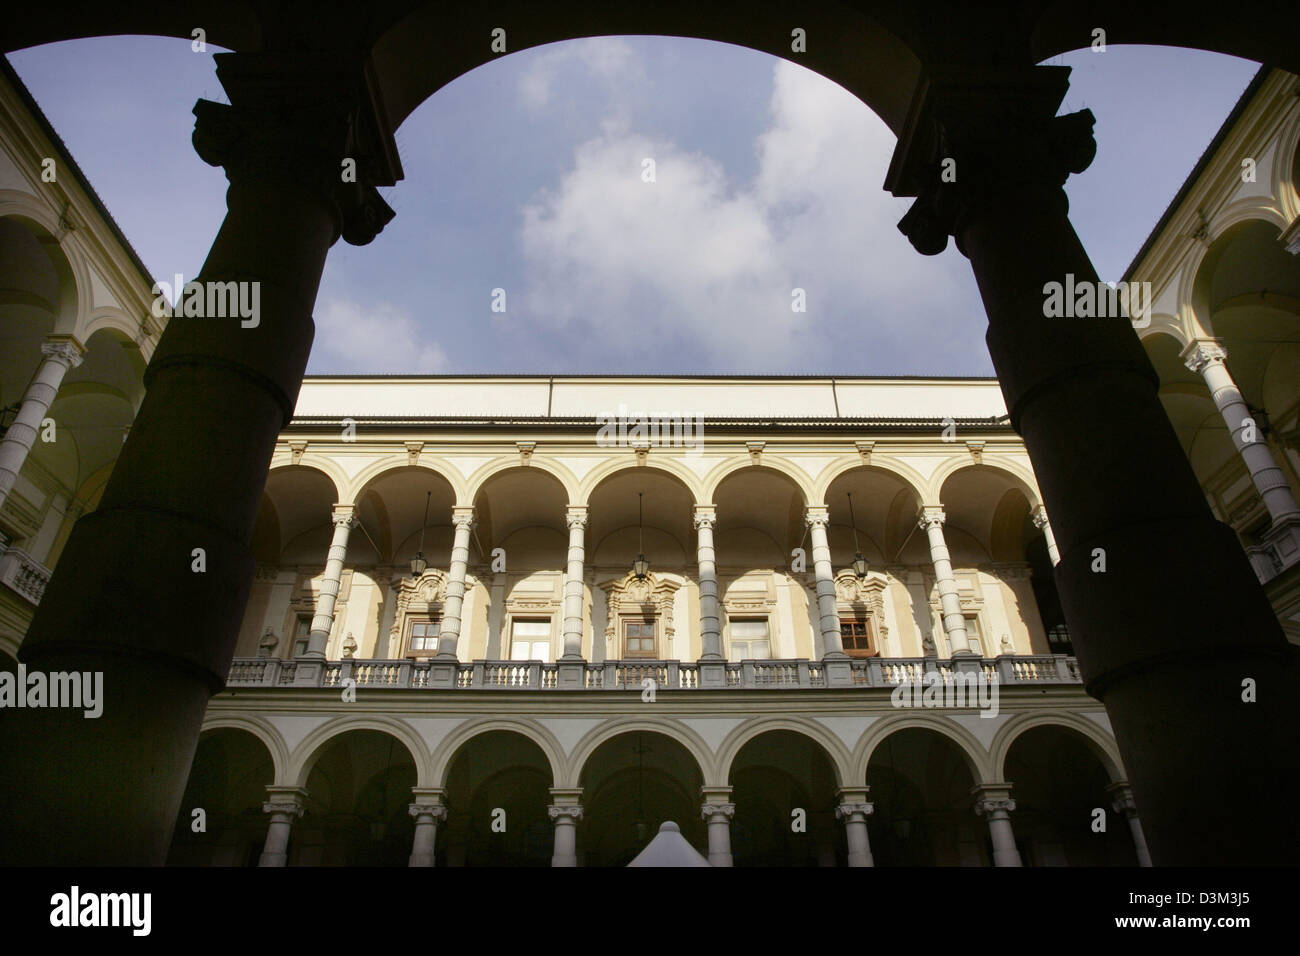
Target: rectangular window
x=301 y=635
x=530 y=639
x=750 y=640
x=639 y=637
x=424 y=637
x=855 y=636
x=974 y=636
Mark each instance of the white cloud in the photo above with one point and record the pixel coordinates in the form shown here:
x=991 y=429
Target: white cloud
x=607 y=59
x=708 y=265
x=354 y=338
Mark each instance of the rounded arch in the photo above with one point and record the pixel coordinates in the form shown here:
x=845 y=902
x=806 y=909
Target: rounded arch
x=912 y=479
x=771 y=463
x=355 y=486
x=1098 y=741
x=615 y=726
x=734 y=742
x=304 y=756
x=615 y=466
x=73 y=273
x=1198 y=271
x=1162 y=323
x=1286 y=169
x=260 y=728
x=1022 y=477
x=978 y=760
x=114 y=319
x=443 y=754
x=317 y=463
x=475 y=483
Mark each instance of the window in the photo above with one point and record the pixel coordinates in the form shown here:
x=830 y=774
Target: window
x=750 y=641
x=301 y=635
x=974 y=636
x=855 y=637
x=1058 y=640
x=424 y=637
x=639 y=637
x=530 y=639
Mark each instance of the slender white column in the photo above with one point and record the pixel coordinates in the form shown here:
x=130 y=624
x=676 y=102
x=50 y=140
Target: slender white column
x=954 y=622
x=427 y=810
x=1039 y=517
x=284 y=805
x=818 y=518
x=573 y=587
x=565 y=813
x=994 y=802
x=717 y=812
x=853 y=809
x=323 y=621
x=60 y=355
x=449 y=630
x=1207 y=357
x=710 y=627
x=1124 y=805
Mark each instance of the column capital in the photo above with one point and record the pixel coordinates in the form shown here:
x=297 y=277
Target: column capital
x=817 y=516
x=432 y=811
x=706 y=516
x=345 y=515
x=709 y=811
x=974 y=134
x=931 y=516
x=1121 y=795
x=846 y=811
x=575 y=516
x=993 y=798
x=288 y=800
x=65 y=349
x=1039 y=517
x=572 y=812
x=463 y=517
x=1202 y=353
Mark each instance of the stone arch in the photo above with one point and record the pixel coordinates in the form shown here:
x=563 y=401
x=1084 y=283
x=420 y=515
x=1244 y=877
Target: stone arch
x=318 y=463
x=1286 y=169
x=67 y=260
x=445 y=751
x=977 y=759
x=732 y=744
x=1197 y=273
x=783 y=466
x=481 y=476
x=1100 y=743
x=615 y=466
x=354 y=487
x=263 y=730
x=1022 y=477
x=912 y=479
x=615 y=726
x=304 y=756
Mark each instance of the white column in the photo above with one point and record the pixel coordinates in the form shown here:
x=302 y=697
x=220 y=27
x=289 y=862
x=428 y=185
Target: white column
x=954 y=622
x=573 y=587
x=1207 y=357
x=710 y=626
x=853 y=809
x=994 y=802
x=60 y=355
x=818 y=518
x=1039 y=517
x=323 y=621
x=717 y=812
x=284 y=805
x=449 y=630
x=427 y=810
x=565 y=813
x=1124 y=805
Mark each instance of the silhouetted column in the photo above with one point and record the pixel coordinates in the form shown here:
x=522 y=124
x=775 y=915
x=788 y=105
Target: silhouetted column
x=284 y=806
x=449 y=630
x=995 y=804
x=853 y=809
x=954 y=621
x=565 y=812
x=323 y=621
x=573 y=587
x=1039 y=517
x=61 y=353
x=1129 y=516
x=151 y=587
x=717 y=812
x=1123 y=804
x=427 y=811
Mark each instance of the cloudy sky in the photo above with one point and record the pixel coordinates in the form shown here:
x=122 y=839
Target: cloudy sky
x=527 y=175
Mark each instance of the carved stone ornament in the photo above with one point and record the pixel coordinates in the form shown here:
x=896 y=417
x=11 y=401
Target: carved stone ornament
x=424 y=595
x=632 y=596
x=268 y=643
x=349 y=645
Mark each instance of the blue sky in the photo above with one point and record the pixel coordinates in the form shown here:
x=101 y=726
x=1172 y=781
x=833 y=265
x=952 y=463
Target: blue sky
x=526 y=175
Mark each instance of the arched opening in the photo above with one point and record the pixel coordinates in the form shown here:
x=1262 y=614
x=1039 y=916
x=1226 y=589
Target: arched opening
x=221 y=821
x=783 y=786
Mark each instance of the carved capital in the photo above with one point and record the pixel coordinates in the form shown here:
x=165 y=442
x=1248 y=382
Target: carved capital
x=846 y=810
x=817 y=518
x=344 y=516
x=573 y=812
x=1039 y=517
x=1203 y=353
x=462 y=518
x=930 y=518
x=706 y=519
x=711 y=810
x=576 y=518
x=63 y=350
x=988 y=805
x=428 y=810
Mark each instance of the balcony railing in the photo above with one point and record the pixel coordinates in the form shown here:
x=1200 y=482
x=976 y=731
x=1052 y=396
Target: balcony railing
x=631 y=675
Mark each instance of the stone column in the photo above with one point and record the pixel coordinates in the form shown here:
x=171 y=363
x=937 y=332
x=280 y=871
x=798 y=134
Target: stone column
x=284 y=805
x=61 y=354
x=1039 y=517
x=323 y=621
x=1082 y=392
x=1209 y=358
x=427 y=810
x=713 y=672
x=573 y=586
x=994 y=802
x=1122 y=803
x=565 y=812
x=853 y=809
x=190 y=474
x=717 y=812
x=449 y=631
x=954 y=622
x=817 y=519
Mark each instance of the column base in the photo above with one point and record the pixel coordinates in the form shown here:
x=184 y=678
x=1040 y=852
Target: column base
x=571 y=673
x=837 y=669
x=713 y=672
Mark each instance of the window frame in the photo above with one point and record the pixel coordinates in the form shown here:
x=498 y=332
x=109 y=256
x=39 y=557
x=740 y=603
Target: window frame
x=766 y=621
x=412 y=621
x=872 y=649
x=640 y=620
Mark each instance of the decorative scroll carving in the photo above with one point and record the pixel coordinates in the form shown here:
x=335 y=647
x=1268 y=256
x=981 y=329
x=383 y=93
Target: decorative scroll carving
x=629 y=595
